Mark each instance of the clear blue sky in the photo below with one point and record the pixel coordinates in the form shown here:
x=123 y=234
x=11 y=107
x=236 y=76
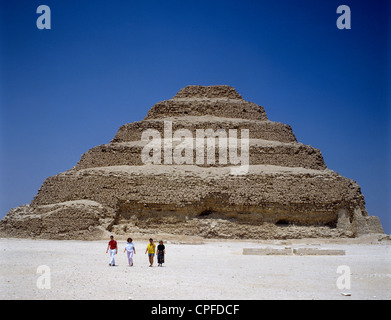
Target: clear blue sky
x=105 y=63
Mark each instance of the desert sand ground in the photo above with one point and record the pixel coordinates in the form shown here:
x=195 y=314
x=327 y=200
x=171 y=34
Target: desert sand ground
x=194 y=269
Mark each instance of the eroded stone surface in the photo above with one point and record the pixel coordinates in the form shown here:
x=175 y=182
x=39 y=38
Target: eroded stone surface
x=288 y=191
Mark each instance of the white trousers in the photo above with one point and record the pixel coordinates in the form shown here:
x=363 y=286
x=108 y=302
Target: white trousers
x=130 y=257
x=112 y=254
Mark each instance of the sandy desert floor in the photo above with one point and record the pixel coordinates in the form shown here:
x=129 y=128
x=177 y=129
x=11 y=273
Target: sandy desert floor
x=194 y=269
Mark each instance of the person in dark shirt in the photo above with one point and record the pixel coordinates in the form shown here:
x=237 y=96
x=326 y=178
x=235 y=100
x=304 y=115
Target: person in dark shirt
x=161 y=251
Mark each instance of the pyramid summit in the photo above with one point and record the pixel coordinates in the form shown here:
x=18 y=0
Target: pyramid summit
x=212 y=100
x=217 y=91
x=148 y=180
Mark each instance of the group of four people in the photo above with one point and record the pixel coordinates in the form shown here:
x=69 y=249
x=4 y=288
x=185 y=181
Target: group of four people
x=130 y=249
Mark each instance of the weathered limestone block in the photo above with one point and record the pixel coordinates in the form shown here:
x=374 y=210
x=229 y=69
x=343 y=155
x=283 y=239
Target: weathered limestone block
x=200 y=107
x=266 y=130
x=261 y=152
x=218 y=91
x=318 y=252
x=287 y=251
x=344 y=221
x=79 y=219
x=213 y=100
x=268 y=251
x=364 y=224
x=267 y=194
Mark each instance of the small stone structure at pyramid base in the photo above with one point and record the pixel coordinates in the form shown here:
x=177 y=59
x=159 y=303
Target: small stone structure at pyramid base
x=287 y=192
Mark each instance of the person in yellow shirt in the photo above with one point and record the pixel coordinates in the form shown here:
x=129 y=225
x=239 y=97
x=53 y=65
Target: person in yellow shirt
x=151 y=251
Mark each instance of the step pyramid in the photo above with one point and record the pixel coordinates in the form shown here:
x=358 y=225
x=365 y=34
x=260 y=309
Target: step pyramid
x=169 y=174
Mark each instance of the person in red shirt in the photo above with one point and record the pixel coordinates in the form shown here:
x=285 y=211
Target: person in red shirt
x=112 y=246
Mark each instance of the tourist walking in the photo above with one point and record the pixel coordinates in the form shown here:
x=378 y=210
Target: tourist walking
x=151 y=251
x=112 y=246
x=130 y=249
x=161 y=251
